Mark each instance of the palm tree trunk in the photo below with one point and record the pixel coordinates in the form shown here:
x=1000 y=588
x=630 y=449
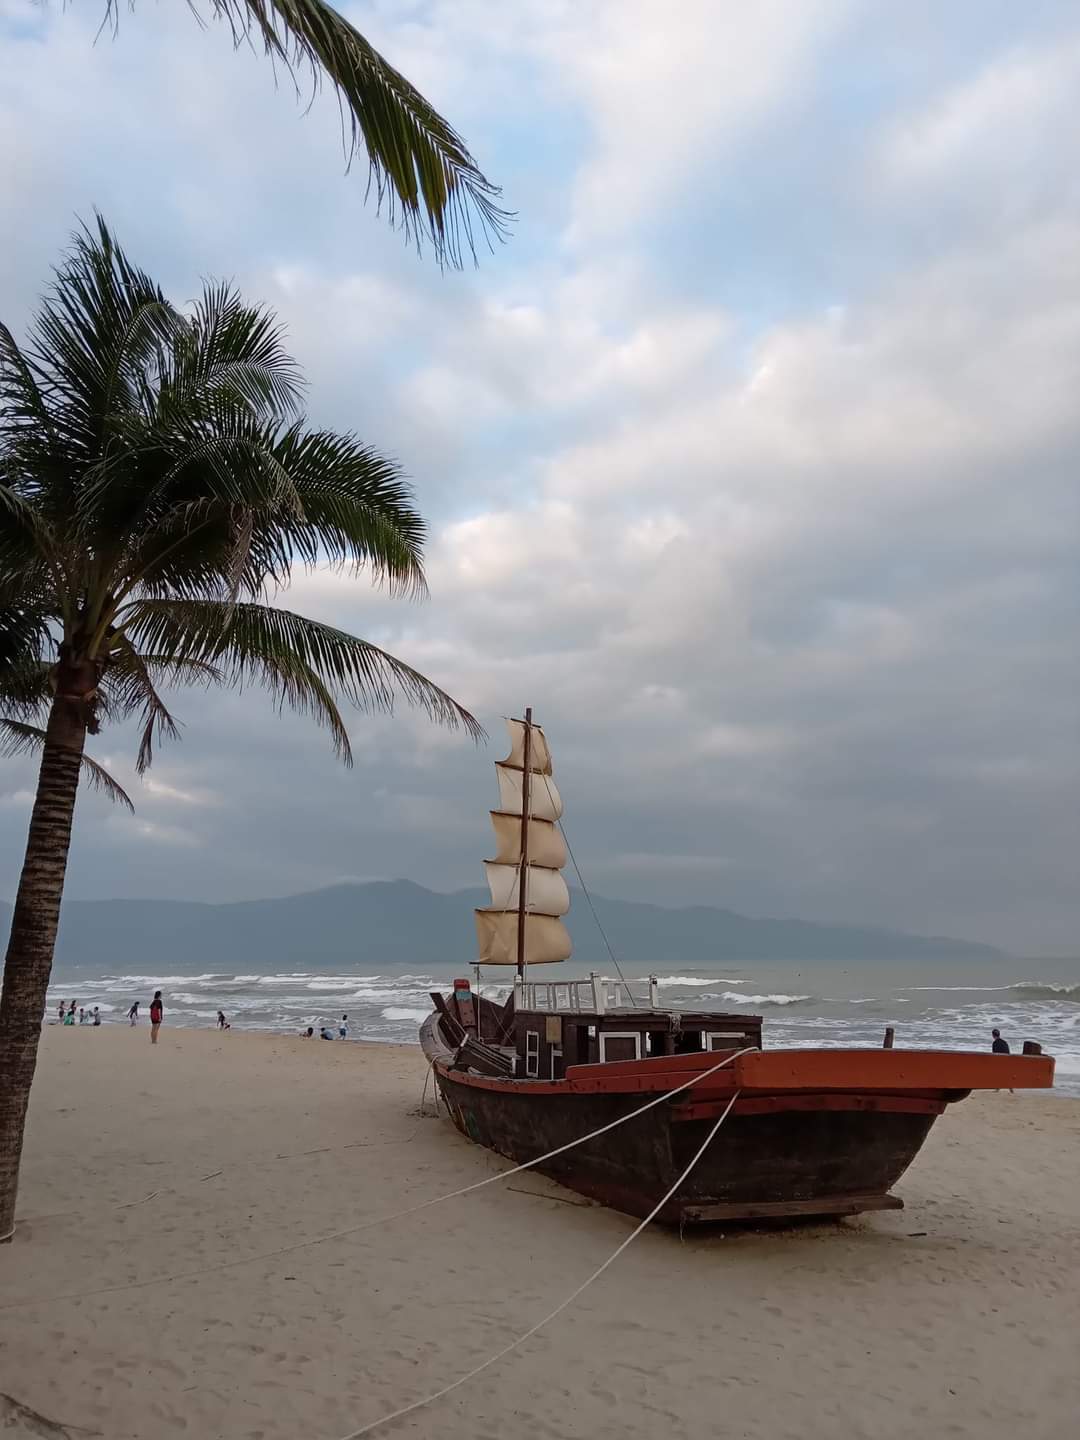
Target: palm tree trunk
x=28 y=962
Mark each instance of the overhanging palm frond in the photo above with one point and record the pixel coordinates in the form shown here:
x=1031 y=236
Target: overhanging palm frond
x=420 y=167
x=18 y=738
x=288 y=654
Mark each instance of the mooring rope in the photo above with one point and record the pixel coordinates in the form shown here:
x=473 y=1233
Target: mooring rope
x=563 y=1305
x=379 y=1219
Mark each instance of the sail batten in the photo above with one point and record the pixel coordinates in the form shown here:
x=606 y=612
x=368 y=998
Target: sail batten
x=535 y=917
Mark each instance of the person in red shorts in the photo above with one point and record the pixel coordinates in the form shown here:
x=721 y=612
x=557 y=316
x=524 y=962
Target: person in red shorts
x=157 y=1014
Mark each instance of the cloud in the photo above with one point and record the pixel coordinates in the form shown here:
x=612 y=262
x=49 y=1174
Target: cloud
x=750 y=463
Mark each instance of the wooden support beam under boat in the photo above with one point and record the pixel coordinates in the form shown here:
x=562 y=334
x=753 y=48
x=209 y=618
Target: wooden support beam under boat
x=791 y=1209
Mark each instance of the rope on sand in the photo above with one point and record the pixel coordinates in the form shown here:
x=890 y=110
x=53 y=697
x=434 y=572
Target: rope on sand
x=513 y=1345
x=380 y=1219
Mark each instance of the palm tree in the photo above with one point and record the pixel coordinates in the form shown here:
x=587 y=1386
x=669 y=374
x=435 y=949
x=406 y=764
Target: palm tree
x=157 y=483
x=419 y=166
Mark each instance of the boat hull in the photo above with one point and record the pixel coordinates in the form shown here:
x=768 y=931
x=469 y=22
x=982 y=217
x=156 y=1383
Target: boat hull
x=806 y=1161
x=808 y=1133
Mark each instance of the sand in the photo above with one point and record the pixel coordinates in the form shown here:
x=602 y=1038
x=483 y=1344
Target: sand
x=145 y=1163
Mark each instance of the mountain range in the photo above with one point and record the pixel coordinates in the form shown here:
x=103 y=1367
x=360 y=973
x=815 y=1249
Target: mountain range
x=396 y=924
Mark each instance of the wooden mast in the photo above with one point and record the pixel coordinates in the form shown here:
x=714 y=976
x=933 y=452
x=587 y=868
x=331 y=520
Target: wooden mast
x=523 y=874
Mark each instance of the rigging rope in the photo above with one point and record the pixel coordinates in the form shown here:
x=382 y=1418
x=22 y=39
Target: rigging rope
x=585 y=890
x=520 y=1340
x=592 y=907
x=378 y=1219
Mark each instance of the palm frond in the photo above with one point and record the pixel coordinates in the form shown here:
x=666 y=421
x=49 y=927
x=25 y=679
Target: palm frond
x=26 y=652
x=249 y=502
x=239 y=347
x=18 y=738
x=419 y=166
x=130 y=687
x=22 y=405
x=287 y=653
x=357 y=509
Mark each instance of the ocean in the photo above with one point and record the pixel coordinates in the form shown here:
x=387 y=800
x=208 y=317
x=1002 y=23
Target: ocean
x=946 y=1005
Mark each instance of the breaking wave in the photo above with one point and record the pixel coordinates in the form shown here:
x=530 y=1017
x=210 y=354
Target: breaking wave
x=1040 y=990
x=763 y=1000
x=687 y=980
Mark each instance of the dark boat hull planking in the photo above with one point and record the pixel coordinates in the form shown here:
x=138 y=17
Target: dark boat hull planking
x=793 y=1161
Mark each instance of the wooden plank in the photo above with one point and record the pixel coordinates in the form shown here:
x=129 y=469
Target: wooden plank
x=454 y=1033
x=777 y=1070
x=792 y=1209
x=681 y=1065
x=829 y=1100
x=484 y=1058
x=505 y=1030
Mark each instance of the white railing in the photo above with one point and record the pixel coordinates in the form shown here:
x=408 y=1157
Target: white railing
x=585 y=997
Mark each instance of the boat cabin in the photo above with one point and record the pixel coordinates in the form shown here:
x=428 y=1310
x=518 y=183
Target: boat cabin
x=542 y=1029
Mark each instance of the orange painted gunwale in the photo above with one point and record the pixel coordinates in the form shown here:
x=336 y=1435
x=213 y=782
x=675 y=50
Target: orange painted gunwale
x=789 y=1071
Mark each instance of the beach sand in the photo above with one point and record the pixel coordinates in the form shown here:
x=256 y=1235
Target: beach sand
x=144 y=1163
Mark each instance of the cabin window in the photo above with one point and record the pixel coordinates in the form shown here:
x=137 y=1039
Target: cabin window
x=724 y=1039
x=532 y=1052
x=558 y=1069
x=689 y=1042
x=619 y=1045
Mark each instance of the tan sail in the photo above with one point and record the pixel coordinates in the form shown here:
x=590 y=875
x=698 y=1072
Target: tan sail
x=546 y=845
x=547 y=939
x=545 y=890
x=522 y=926
x=544 y=800
x=539 y=754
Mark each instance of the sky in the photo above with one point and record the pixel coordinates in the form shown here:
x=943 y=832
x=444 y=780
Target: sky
x=750 y=461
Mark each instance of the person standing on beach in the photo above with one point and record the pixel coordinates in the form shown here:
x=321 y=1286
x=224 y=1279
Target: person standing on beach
x=1000 y=1047
x=221 y=1025
x=157 y=1014
x=69 y=1018
x=97 y=1016
x=133 y=1013
x=63 y=1010
x=343 y=1028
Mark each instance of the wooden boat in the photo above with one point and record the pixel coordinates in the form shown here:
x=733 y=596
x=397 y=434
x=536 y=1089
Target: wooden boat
x=809 y=1133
